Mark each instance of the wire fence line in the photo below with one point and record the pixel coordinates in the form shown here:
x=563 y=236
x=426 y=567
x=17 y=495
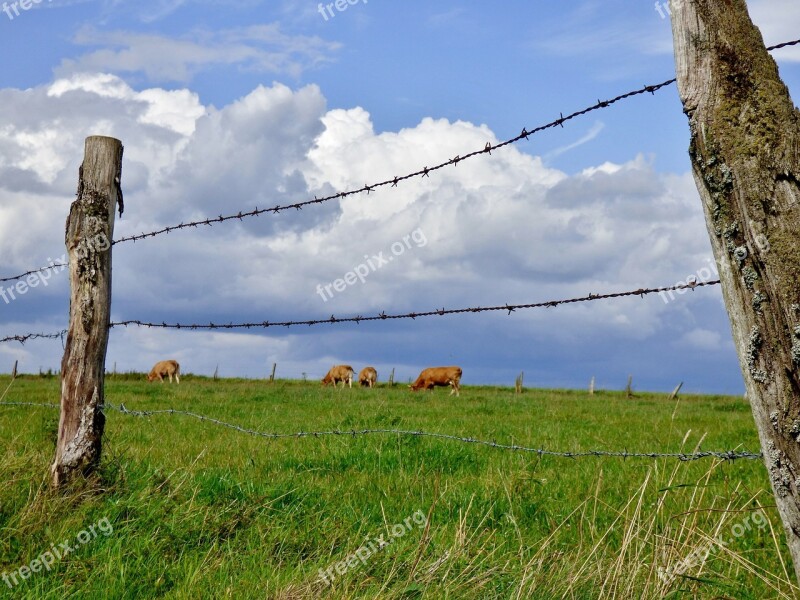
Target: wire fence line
x=424 y=172
x=34 y=336
x=34 y=271
x=728 y=455
x=382 y=316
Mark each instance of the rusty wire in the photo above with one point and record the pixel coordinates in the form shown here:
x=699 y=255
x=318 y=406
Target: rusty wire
x=424 y=172
x=382 y=316
x=34 y=336
x=727 y=455
x=34 y=271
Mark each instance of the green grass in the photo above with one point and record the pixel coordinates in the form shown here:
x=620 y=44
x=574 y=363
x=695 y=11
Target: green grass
x=201 y=511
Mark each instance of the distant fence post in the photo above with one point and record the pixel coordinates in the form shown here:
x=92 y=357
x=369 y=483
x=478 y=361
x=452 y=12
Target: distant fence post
x=591 y=386
x=674 y=393
x=89 y=231
x=216 y=373
x=629 y=388
x=272 y=375
x=391 y=378
x=14 y=371
x=518 y=382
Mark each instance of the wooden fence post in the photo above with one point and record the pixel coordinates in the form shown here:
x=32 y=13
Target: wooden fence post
x=744 y=138
x=89 y=231
x=216 y=373
x=629 y=388
x=674 y=393
x=518 y=383
x=272 y=375
x=391 y=378
x=591 y=386
x=14 y=371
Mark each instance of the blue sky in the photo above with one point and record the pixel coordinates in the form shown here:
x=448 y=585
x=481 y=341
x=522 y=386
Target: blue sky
x=223 y=106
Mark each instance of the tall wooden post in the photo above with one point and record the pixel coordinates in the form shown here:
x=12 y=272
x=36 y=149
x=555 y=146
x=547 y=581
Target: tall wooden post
x=272 y=375
x=90 y=229
x=745 y=151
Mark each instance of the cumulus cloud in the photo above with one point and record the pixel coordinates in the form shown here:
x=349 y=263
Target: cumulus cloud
x=498 y=228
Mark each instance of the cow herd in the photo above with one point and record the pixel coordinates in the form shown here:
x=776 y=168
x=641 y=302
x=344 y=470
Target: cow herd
x=368 y=377
x=428 y=378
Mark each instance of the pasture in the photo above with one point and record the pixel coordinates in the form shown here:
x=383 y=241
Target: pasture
x=203 y=511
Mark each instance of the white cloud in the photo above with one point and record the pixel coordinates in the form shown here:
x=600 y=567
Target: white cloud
x=499 y=228
x=703 y=339
x=259 y=48
x=772 y=17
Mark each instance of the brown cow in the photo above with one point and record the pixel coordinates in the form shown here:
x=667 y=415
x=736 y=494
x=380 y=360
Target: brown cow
x=368 y=376
x=442 y=376
x=165 y=367
x=343 y=373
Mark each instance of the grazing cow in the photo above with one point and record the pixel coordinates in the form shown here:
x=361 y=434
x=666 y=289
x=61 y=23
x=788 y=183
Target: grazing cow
x=442 y=376
x=343 y=373
x=165 y=367
x=368 y=376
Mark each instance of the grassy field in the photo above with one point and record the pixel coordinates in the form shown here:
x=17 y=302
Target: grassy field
x=187 y=509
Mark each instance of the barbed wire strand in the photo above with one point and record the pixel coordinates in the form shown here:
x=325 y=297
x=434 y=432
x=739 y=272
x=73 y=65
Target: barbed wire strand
x=382 y=316
x=62 y=266
x=34 y=336
x=729 y=455
x=414 y=315
x=425 y=172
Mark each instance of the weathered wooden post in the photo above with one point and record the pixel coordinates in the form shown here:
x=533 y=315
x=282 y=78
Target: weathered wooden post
x=518 y=383
x=745 y=151
x=90 y=228
x=272 y=375
x=591 y=386
x=391 y=378
x=677 y=389
x=629 y=388
x=14 y=371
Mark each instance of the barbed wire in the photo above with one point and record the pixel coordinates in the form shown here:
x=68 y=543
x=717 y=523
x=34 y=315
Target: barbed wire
x=34 y=271
x=425 y=172
x=414 y=315
x=727 y=455
x=32 y=336
x=382 y=316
